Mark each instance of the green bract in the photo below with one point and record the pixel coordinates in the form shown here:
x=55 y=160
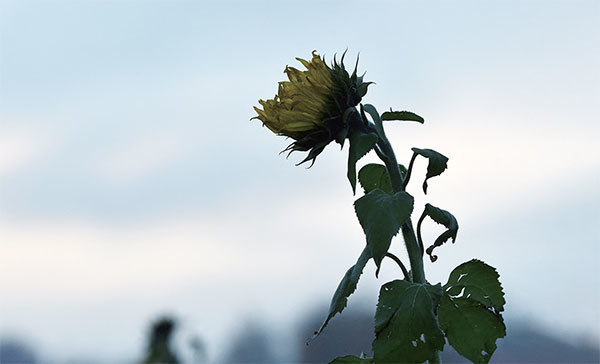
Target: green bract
x=314 y=106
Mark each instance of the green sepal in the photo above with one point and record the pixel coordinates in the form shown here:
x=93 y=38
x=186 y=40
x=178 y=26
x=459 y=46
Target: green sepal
x=340 y=138
x=360 y=144
x=402 y=116
x=346 y=287
x=381 y=215
x=437 y=163
x=406 y=328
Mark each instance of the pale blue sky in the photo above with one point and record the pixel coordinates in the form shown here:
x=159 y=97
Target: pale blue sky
x=124 y=139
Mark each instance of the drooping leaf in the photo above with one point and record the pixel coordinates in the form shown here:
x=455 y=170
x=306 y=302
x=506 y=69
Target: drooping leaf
x=478 y=281
x=381 y=215
x=360 y=144
x=471 y=329
x=372 y=176
x=470 y=311
x=445 y=218
x=351 y=359
x=406 y=328
x=437 y=163
x=346 y=287
x=402 y=115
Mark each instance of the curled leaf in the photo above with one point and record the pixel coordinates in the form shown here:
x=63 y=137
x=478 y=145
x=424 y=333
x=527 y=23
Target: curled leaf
x=437 y=163
x=441 y=217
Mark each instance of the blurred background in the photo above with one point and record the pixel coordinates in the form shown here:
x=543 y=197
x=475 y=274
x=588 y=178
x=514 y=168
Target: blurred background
x=139 y=205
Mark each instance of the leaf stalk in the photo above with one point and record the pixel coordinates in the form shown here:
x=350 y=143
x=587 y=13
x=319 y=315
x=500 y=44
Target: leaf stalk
x=400 y=264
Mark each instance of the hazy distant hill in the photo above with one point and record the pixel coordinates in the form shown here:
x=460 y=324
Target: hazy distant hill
x=352 y=333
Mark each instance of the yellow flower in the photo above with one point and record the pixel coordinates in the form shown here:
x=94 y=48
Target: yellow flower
x=310 y=107
x=301 y=103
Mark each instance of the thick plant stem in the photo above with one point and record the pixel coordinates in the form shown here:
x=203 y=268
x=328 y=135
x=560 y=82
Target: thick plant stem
x=412 y=246
x=386 y=153
x=414 y=252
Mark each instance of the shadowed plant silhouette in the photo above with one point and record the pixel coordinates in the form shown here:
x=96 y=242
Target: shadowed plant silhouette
x=160 y=338
x=414 y=318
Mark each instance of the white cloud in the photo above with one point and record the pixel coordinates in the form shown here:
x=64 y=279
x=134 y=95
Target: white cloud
x=137 y=158
x=19 y=148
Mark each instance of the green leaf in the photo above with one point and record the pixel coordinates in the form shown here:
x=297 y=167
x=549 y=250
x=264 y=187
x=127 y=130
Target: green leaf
x=437 y=164
x=346 y=287
x=441 y=217
x=372 y=176
x=406 y=328
x=351 y=359
x=469 y=312
x=381 y=215
x=402 y=115
x=376 y=118
x=360 y=144
x=471 y=329
x=340 y=138
x=477 y=281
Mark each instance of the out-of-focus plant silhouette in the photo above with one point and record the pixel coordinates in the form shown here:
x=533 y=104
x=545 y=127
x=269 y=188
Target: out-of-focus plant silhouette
x=251 y=344
x=160 y=339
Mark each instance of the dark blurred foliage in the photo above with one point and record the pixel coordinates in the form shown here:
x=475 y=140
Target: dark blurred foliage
x=352 y=333
x=13 y=351
x=348 y=333
x=251 y=345
x=160 y=342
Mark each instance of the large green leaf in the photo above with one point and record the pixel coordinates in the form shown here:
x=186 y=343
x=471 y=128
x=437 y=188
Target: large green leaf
x=360 y=144
x=441 y=217
x=402 y=115
x=372 y=176
x=406 y=328
x=381 y=215
x=351 y=359
x=471 y=329
x=346 y=287
x=469 y=312
x=478 y=281
x=437 y=163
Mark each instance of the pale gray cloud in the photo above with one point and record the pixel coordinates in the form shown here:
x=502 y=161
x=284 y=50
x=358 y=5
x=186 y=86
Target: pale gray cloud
x=125 y=139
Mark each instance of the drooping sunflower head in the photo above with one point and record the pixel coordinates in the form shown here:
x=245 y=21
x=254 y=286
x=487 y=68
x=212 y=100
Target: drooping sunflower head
x=311 y=107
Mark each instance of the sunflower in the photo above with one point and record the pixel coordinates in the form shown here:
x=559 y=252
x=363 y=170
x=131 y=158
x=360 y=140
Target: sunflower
x=314 y=106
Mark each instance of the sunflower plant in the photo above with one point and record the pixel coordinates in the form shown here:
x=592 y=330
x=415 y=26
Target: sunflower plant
x=414 y=318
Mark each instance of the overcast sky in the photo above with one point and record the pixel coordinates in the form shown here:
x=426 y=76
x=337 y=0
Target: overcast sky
x=133 y=183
